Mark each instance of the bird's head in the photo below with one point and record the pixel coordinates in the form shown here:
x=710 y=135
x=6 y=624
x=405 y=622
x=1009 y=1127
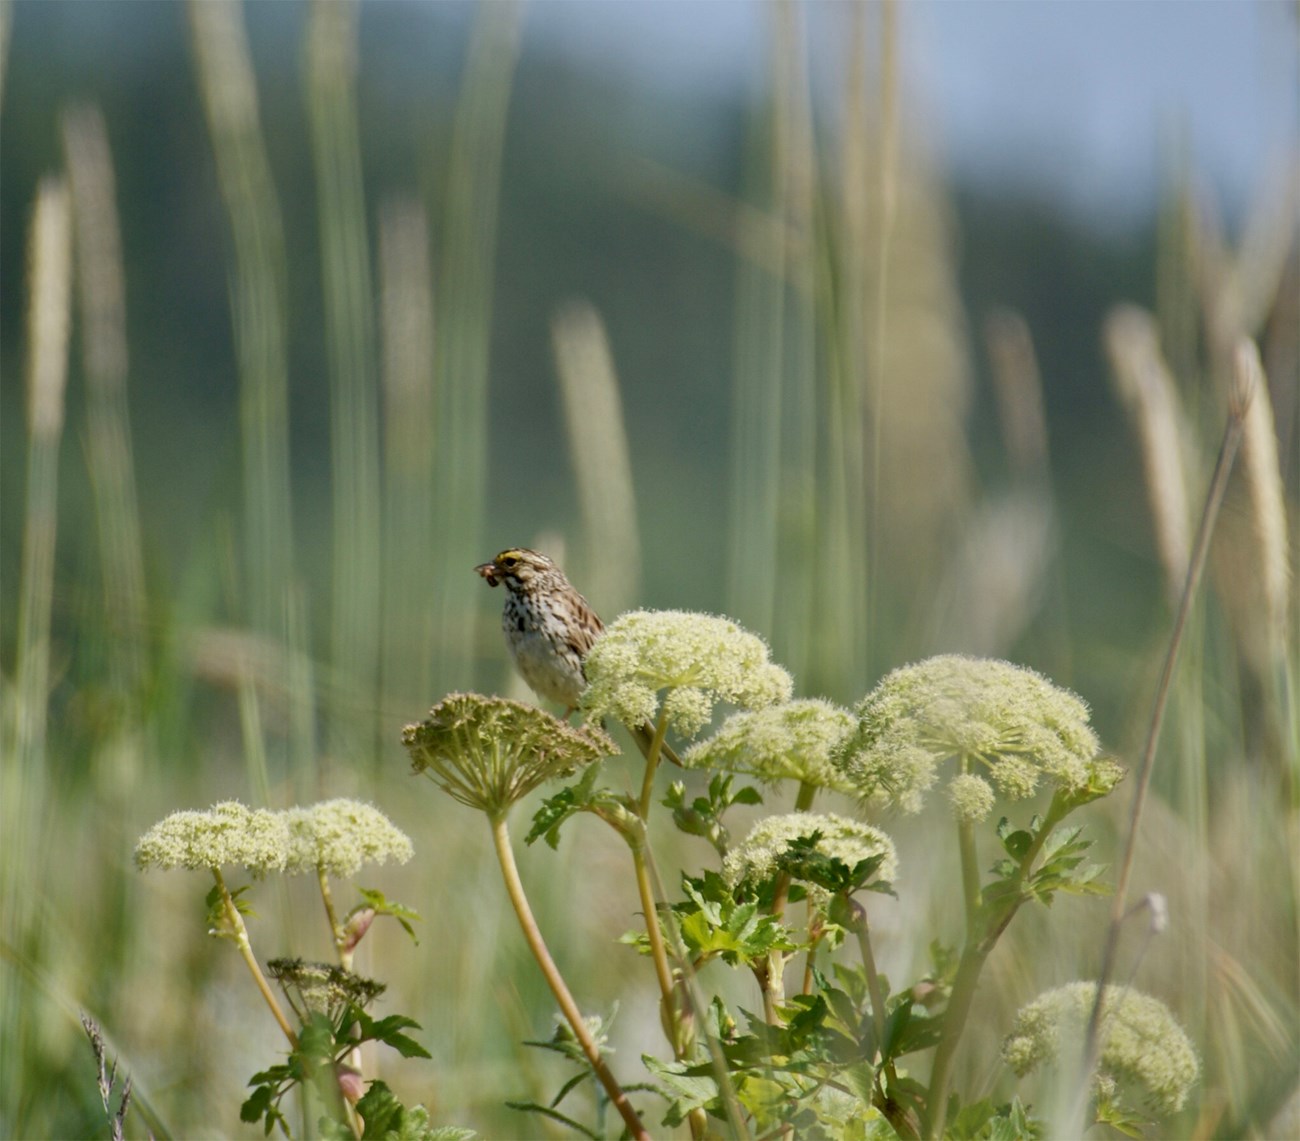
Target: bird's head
x=516 y=567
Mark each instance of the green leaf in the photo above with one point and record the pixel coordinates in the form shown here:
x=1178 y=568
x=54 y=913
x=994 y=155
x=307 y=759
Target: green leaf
x=1120 y=1118
x=389 y=1031
x=258 y=1103
x=387 y=1119
x=693 y=1090
x=554 y=1115
x=384 y=906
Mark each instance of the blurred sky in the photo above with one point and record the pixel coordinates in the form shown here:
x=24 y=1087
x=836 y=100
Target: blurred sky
x=1089 y=99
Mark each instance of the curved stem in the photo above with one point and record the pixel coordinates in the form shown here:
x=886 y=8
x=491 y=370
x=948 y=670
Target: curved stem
x=336 y=932
x=954 y=1021
x=239 y=933
x=658 y=950
x=699 y=1002
x=533 y=936
x=652 y=757
x=873 y=976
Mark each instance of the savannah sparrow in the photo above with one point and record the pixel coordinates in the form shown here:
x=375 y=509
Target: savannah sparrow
x=549 y=626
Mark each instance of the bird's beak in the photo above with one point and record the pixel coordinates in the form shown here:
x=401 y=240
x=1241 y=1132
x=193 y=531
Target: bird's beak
x=488 y=572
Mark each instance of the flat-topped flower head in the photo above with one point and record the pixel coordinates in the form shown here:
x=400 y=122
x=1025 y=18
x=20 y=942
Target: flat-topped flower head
x=338 y=836
x=228 y=834
x=791 y=741
x=757 y=860
x=322 y=988
x=1144 y=1051
x=696 y=659
x=489 y=752
x=1004 y=723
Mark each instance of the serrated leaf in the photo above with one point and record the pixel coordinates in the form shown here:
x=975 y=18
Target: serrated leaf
x=693 y=1091
x=1017 y=844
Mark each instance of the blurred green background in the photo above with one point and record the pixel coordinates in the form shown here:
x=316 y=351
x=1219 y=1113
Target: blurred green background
x=363 y=294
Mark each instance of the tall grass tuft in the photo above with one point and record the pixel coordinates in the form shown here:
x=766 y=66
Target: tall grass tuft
x=465 y=315
x=1150 y=396
x=258 y=301
x=602 y=464
x=407 y=322
x=102 y=299
x=353 y=721
x=24 y=779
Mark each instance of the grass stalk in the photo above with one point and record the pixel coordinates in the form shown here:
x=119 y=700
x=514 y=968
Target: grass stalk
x=1149 y=394
x=24 y=766
x=555 y=980
x=258 y=302
x=466 y=293
x=102 y=302
x=1232 y=433
x=795 y=166
x=598 y=445
x=407 y=323
x=352 y=718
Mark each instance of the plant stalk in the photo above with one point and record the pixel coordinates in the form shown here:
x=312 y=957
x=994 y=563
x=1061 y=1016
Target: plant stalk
x=1196 y=565
x=240 y=934
x=533 y=936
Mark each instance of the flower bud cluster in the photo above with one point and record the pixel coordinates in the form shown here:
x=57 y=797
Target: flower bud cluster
x=697 y=660
x=488 y=752
x=336 y=836
x=1144 y=1050
x=1009 y=728
x=757 y=859
x=796 y=740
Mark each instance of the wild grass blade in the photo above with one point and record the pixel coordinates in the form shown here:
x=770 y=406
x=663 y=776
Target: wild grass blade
x=407 y=321
x=602 y=464
x=23 y=780
x=350 y=339
x=1147 y=390
x=466 y=291
x=229 y=93
x=102 y=297
x=795 y=177
x=1195 y=566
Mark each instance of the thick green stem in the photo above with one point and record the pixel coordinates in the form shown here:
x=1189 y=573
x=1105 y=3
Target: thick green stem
x=804 y=799
x=652 y=757
x=970 y=874
x=982 y=935
x=239 y=934
x=954 y=1021
x=345 y=961
x=873 y=975
x=569 y=1008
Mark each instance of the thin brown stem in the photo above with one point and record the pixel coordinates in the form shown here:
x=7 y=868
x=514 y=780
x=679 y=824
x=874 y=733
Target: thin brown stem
x=569 y=1008
x=658 y=950
x=1195 y=568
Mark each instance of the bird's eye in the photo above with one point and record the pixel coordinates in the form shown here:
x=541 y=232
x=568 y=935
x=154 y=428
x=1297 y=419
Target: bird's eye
x=509 y=561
